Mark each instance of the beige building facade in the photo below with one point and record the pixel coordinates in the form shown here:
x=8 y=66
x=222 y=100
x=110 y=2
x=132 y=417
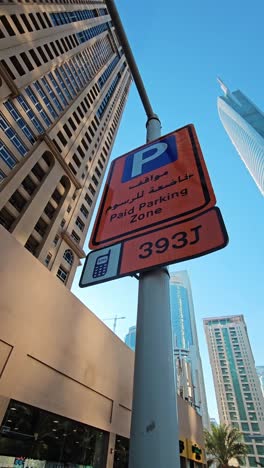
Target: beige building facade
x=64 y=82
x=59 y=359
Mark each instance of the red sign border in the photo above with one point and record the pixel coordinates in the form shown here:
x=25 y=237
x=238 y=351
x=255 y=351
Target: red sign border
x=225 y=242
x=116 y=239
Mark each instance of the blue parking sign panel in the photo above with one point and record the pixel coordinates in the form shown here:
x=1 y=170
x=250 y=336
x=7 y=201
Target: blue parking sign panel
x=150 y=157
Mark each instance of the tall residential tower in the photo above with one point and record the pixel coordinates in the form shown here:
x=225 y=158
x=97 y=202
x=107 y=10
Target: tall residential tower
x=238 y=393
x=64 y=82
x=189 y=372
x=244 y=123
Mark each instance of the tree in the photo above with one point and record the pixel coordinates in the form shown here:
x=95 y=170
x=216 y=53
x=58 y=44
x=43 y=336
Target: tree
x=224 y=443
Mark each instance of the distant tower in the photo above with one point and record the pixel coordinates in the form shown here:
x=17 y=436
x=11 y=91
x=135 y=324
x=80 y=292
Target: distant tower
x=238 y=393
x=244 y=124
x=260 y=372
x=189 y=370
x=64 y=82
x=213 y=422
x=130 y=338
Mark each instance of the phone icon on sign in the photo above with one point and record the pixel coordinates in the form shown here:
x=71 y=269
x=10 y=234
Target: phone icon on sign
x=101 y=265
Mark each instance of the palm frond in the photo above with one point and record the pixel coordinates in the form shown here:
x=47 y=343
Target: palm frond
x=224 y=443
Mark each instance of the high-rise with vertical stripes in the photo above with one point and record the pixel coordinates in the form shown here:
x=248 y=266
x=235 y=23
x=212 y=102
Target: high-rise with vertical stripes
x=244 y=123
x=239 y=397
x=64 y=82
x=188 y=364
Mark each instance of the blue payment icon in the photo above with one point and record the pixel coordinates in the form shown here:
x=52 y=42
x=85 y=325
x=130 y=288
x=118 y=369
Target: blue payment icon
x=101 y=265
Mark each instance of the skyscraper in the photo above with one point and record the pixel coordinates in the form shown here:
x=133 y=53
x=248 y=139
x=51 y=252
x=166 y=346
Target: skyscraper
x=130 y=338
x=186 y=347
x=260 y=372
x=244 y=123
x=238 y=393
x=64 y=82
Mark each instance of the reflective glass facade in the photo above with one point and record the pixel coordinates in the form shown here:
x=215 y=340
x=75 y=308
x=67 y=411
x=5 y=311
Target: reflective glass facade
x=33 y=438
x=244 y=123
x=189 y=370
x=181 y=318
x=130 y=338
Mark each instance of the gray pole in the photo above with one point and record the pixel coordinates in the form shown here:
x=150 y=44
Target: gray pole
x=154 y=439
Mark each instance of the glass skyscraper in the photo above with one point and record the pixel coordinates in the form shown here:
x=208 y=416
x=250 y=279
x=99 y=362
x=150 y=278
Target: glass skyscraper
x=130 y=338
x=238 y=393
x=244 y=123
x=189 y=373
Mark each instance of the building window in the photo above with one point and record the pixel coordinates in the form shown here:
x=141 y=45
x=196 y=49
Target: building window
x=49 y=210
x=48 y=259
x=64 y=441
x=95 y=181
x=6 y=219
x=12 y=135
x=18 y=201
x=62 y=274
x=29 y=185
x=88 y=199
x=17 y=65
x=52 y=94
x=84 y=211
x=58 y=89
x=32 y=245
x=41 y=227
x=38 y=106
x=45 y=100
x=68 y=256
x=63 y=223
x=2 y=176
x=20 y=121
x=30 y=114
x=92 y=190
x=56 y=240
x=80 y=224
x=75 y=237
x=62 y=138
x=6 y=156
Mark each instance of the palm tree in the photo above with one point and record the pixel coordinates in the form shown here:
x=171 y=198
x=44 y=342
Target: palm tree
x=224 y=443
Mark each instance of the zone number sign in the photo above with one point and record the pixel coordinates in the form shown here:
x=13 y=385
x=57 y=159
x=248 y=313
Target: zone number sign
x=163 y=181
x=199 y=235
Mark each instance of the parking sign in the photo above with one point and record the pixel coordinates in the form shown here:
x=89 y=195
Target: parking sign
x=163 y=181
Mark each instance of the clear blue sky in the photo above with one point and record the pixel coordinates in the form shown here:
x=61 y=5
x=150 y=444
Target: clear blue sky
x=181 y=48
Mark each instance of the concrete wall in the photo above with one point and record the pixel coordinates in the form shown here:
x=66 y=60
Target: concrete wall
x=54 y=352
x=57 y=355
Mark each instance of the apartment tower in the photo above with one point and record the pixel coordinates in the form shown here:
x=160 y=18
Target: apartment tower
x=64 y=82
x=188 y=364
x=238 y=393
x=244 y=124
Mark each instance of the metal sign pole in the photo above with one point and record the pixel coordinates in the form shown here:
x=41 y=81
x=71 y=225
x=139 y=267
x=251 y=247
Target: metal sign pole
x=154 y=439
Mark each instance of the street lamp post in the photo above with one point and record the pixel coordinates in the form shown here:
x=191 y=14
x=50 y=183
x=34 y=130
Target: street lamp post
x=154 y=440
